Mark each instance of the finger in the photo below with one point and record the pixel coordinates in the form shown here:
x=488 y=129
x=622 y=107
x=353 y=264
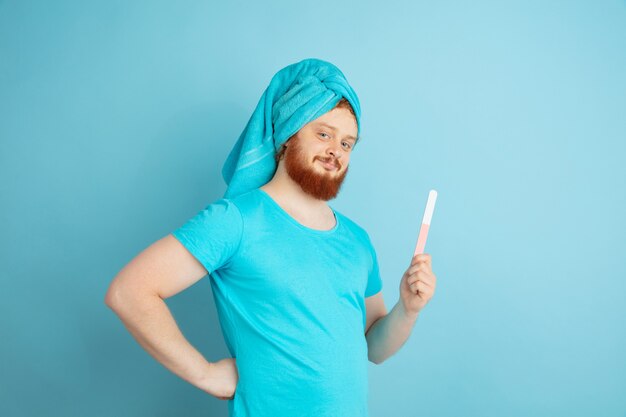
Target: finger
x=419 y=267
x=427 y=277
x=422 y=257
x=424 y=289
x=412 y=270
x=423 y=284
x=419 y=275
x=421 y=264
x=418 y=287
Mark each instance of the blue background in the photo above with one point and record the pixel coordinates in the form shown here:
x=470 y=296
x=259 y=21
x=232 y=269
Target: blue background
x=116 y=118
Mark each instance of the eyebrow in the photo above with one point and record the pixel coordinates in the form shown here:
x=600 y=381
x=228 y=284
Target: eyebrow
x=334 y=129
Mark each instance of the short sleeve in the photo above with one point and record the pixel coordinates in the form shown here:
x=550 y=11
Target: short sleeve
x=212 y=236
x=374 y=281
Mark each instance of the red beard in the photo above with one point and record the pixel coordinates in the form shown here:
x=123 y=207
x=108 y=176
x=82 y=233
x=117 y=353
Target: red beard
x=321 y=185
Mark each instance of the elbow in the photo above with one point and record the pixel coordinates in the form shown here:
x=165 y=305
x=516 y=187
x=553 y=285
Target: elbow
x=111 y=297
x=375 y=362
x=125 y=300
x=117 y=297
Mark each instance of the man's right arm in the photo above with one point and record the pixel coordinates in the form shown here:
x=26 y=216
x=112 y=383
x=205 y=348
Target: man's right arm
x=137 y=296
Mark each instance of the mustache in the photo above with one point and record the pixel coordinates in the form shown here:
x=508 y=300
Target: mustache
x=331 y=160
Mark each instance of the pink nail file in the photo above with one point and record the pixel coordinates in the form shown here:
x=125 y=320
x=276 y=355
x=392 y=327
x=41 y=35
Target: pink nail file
x=428 y=215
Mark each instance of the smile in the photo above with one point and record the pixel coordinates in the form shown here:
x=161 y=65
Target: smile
x=328 y=165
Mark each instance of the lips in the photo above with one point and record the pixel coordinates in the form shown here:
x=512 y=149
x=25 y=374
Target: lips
x=329 y=164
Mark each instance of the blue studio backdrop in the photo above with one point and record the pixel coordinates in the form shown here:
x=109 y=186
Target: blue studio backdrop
x=116 y=118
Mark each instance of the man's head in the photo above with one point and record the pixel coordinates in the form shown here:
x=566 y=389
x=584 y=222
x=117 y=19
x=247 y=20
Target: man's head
x=317 y=156
x=296 y=95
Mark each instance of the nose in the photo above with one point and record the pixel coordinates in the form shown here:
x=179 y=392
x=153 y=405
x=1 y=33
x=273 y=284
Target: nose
x=334 y=149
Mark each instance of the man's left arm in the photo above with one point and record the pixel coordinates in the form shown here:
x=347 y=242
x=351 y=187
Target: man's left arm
x=387 y=332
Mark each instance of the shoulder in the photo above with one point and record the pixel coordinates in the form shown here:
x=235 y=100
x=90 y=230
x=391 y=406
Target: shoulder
x=224 y=207
x=219 y=214
x=245 y=203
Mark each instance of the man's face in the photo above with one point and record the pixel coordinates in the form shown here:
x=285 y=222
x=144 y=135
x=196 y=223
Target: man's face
x=317 y=156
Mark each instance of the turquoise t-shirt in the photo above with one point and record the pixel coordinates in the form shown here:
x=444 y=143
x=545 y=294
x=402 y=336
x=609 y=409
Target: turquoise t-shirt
x=291 y=305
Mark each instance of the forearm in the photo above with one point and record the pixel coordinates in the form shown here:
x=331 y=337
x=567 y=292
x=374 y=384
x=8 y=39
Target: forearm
x=387 y=334
x=151 y=323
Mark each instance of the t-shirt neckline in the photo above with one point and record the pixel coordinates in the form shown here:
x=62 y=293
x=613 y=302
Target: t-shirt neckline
x=294 y=221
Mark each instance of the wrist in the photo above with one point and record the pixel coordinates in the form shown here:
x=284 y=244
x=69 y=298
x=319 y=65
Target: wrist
x=206 y=379
x=409 y=315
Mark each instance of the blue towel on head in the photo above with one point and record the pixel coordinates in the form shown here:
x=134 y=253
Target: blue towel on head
x=296 y=95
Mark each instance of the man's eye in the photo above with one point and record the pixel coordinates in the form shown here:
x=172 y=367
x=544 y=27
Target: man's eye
x=349 y=145
x=322 y=133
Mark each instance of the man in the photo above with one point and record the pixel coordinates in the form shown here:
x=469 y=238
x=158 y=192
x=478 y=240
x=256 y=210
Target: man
x=296 y=283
